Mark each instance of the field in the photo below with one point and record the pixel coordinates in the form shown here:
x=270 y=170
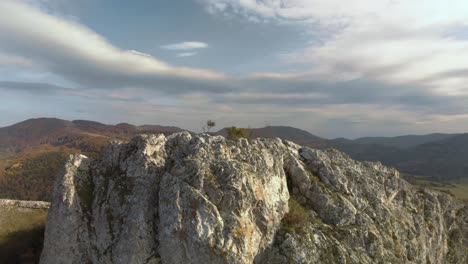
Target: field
x=21 y=234
x=456 y=188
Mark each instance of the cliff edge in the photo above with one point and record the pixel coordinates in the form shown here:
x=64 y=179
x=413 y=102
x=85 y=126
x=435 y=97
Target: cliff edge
x=204 y=199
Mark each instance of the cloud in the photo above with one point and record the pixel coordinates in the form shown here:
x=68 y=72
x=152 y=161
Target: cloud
x=35 y=88
x=80 y=55
x=186 y=54
x=375 y=62
x=14 y=60
x=47 y=89
x=190 y=45
x=398 y=41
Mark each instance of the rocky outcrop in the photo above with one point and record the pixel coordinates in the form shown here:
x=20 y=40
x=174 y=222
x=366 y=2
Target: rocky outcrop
x=205 y=199
x=24 y=204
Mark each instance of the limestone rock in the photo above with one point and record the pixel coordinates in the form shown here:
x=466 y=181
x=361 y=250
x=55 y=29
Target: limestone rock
x=24 y=204
x=205 y=199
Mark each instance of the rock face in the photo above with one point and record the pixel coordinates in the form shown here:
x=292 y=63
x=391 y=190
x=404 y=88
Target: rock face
x=205 y=199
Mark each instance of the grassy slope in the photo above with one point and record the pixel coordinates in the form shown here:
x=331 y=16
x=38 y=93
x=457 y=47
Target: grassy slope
x=457 y=188
x=21 y=234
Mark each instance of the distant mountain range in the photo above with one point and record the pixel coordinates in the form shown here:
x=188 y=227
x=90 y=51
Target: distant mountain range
x=403 y=142
x=32 y=151
x=437 y=156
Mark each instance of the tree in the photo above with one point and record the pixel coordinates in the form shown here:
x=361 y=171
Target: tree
x=210 y=124
x=235 y=133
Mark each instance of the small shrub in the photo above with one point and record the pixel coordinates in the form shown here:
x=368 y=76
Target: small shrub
x=210 y=124
x=235 y=133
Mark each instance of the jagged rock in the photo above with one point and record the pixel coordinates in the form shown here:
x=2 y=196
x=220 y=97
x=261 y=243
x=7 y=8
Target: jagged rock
x=205 y=199
x=368 y=214
x=24 y=204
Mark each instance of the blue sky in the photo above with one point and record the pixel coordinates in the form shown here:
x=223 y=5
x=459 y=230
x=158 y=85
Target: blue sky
x=236 y=46
x=335 y=69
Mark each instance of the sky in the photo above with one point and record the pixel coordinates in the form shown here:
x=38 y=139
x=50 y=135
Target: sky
x=331 y=67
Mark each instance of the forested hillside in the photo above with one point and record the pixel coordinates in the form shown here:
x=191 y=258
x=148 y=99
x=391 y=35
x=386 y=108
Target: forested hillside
x=33 y=152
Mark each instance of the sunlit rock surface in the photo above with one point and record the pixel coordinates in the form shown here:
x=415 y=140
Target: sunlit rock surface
x=205 y=199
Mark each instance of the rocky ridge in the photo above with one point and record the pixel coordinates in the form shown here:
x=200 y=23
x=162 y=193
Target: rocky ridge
x=24 y=204
x=205 y=199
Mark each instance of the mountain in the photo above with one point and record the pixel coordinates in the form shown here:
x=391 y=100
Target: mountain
x=367 y=152
x=202 y=199
x=442 y=159
x=32 y=132
x=32 y=152
x=55 y=131
x=429 y=155
x=296 y=135
x=403 y=142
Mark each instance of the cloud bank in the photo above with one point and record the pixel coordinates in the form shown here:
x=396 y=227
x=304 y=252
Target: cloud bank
x=392 y=41
x=372 y=67
x=78 y=54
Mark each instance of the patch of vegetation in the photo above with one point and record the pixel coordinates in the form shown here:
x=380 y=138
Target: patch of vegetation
x=457 y=189
x=21 y=234
x=235 y=133
x=297 y=218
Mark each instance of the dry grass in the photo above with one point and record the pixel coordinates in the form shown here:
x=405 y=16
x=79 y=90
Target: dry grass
x=457 y=188
x=21 y=234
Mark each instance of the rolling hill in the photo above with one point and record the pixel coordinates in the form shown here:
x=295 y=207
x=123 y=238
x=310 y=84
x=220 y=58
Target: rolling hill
x=32 y=152
x=87 y=136
x=296 y=135
x=438 y=156
x=403 y=142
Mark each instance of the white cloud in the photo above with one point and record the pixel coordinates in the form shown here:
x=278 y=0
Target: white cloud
x=186 y=54
x=381 y=61
x=189 y=45
x=78 y=54
x=395 y=41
